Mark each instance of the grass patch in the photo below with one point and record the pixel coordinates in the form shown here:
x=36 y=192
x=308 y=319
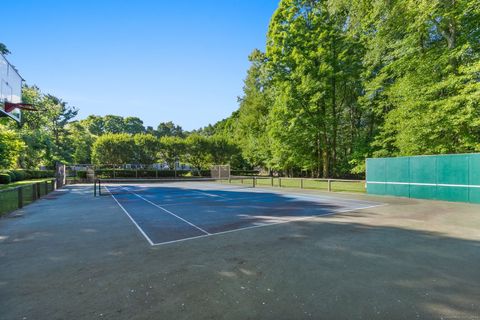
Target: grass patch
x=9 y=193
x=336 y=186
x=20 y=183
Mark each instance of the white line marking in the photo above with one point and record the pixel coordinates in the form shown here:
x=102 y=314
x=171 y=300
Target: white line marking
x=209 y=194
x=169 y=212
x=268 y=224
x=135 y=223
x=426 y=184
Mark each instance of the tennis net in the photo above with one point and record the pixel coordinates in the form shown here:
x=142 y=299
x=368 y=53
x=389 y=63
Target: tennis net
x=104 y=187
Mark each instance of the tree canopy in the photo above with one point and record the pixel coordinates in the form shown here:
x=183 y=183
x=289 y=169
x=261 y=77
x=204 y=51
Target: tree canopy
x=338 y=81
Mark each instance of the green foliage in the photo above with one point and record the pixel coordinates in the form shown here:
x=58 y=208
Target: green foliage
x=3 y=49
x=11 y=147
x=169 y=129
x=171 y=150
x=45 y=131
x=339 y=81
x=197 y=151
x=146 y=148
x=113 y=149
x=5 y=178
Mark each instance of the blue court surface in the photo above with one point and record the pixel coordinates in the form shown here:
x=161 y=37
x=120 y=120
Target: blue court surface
x=179 y=211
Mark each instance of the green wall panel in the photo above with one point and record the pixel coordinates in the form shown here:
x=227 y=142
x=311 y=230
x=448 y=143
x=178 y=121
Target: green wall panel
x=452 y=169
x=474 y=177
x=376 y=169
x=423 y=192
x=423 y=169
x=442 y=177
x=376 y=188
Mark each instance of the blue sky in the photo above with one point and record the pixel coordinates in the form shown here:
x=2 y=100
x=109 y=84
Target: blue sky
x=183 y=61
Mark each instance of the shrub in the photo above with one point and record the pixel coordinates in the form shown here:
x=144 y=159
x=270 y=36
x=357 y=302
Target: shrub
x=81 y=174
x=4 y=178
x=11 y=174
x=39 y=174
x=19 y=175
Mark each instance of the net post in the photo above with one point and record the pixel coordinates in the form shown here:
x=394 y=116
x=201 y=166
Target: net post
x=20 y=197
x=329 y=185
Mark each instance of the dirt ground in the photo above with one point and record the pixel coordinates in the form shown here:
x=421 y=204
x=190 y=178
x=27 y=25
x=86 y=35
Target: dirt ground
x=72 y=256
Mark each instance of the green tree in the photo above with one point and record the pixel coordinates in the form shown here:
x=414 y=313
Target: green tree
x=133 y=125
x=169 y=129
x=114 y=148
x=314 y=67
x=3 y=49
x=197 y=151
x=45 y=131
x=114 y=124
x=146 y=148
x=11 y=146
x=82 y=141
x=172 y=149
x=94 y=124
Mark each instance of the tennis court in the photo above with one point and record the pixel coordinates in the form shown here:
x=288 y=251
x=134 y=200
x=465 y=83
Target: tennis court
x=166 y=211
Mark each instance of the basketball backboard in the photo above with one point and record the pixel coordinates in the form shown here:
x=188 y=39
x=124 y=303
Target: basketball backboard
x=10 y=89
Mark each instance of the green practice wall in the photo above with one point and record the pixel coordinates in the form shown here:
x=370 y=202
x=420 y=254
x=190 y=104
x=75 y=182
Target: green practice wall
x=453 y=177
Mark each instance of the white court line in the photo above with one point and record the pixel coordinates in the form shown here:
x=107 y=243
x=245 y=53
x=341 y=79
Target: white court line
x=209 y=194
x=268 y=224
x=426 y=184
x=135 y=223
x=169 y=212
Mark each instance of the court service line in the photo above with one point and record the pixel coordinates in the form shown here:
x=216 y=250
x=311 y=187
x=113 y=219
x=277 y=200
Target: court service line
x=134 y=222
x=169 y=212
x=268 y=224
x=209 y=194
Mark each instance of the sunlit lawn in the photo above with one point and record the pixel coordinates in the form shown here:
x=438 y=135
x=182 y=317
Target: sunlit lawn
x=336 y=186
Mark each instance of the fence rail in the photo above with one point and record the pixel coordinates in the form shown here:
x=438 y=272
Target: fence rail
x=17 y=197
x=330 y=185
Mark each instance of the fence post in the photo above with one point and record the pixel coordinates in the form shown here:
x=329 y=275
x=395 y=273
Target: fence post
x=156 y=172
x=113 y=172
x=254 y=181
x=279 y=182
x=34 y=192
x=301 y=183
x=54 y=184
x=95 y=187
x=20 y=197
x=329 y=185
x=136 y=172
x=39 y=190
x=46 y=187
x=271 y=181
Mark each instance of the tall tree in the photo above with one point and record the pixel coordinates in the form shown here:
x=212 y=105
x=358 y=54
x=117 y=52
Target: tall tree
x=133 y=125
x=169 y=129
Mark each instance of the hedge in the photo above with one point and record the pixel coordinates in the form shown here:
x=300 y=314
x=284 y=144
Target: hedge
x=20 y=174
x=5 y=178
